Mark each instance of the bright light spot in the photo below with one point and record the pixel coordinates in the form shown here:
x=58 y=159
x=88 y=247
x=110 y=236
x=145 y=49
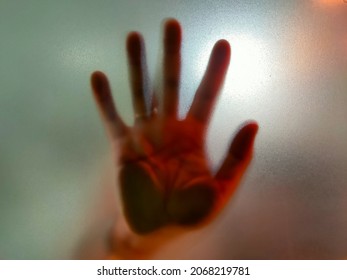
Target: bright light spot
x=329 y=3
x=249 y=69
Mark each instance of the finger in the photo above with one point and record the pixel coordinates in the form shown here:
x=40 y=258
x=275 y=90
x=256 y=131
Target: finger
x=103 y=98
x=138 y=73
x=206 y=94
x=239 y=154
x=172 y=66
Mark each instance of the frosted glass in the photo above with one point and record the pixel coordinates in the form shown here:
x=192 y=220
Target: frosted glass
x=288 y=71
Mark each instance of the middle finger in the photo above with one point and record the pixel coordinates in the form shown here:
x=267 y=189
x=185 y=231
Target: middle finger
x=172 y=66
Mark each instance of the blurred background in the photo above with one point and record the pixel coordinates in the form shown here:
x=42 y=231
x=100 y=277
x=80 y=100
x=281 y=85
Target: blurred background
x=288 y=71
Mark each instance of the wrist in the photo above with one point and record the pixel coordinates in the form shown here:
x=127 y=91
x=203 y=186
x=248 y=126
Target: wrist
x=126 y=244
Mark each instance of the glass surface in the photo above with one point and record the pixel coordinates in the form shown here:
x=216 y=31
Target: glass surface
x=288 y=71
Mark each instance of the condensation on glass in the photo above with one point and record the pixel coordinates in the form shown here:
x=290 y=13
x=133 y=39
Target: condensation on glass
x=288 y=71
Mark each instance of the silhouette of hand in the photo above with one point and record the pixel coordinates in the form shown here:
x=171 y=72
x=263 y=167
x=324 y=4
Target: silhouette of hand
x=165 y=177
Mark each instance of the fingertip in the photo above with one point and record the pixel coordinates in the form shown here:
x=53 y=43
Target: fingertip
x=252 y=127
x=223 y=43
x=240 y=152
x=220 y=56
x=172 y=26
x=172 y=23
x=248 y=132
x=97 y=74
x=134 y=43
x=243 y=142
x=222 y=48
x=97 y=80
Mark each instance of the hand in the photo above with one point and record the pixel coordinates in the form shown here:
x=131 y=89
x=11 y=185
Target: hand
x=165 y=178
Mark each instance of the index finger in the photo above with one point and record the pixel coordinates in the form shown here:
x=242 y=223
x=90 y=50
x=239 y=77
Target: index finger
x=208 y=90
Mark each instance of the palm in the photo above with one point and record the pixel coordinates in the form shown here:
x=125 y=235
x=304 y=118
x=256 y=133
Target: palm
x=165 y=177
